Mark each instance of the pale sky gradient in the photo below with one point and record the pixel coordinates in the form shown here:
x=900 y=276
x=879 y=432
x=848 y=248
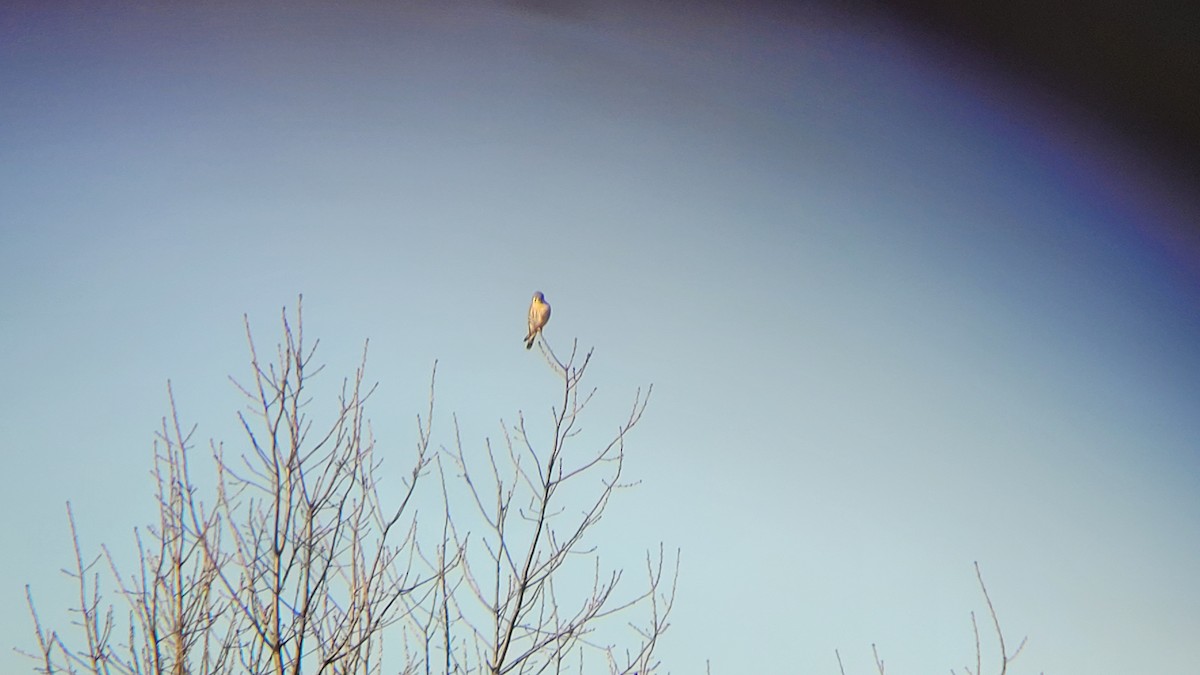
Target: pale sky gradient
x=900 y=313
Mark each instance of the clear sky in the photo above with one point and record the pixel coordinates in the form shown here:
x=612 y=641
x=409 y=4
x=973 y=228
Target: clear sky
x=900 y=313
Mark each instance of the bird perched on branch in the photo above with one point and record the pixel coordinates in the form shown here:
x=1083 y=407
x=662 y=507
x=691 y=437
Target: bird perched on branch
x=539 y=314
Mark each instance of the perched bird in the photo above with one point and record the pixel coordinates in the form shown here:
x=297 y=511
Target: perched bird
x=539 y=314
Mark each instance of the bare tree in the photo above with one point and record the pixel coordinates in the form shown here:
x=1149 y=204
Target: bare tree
x=504 y=607
x=294 y=565
x=1005 y=657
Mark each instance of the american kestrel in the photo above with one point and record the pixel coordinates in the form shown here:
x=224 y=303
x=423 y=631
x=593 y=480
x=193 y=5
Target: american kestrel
x=539 y=314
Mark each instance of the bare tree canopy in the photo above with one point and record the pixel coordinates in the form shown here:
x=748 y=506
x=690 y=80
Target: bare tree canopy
x=292 y=562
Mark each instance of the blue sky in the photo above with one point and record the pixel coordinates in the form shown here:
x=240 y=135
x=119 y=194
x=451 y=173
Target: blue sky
x=900 y=313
